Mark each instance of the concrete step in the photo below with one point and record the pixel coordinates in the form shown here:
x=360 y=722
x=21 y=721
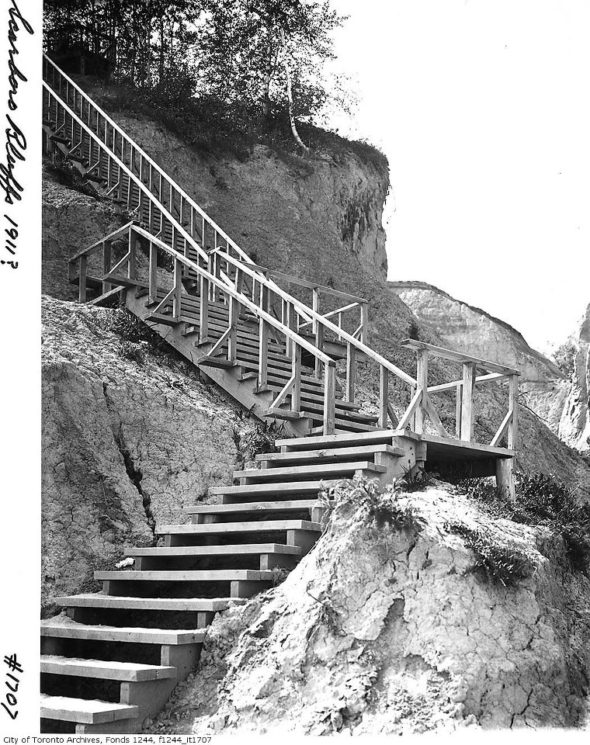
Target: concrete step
x=99 y=600
x=80 y=710
x=229 y=550
x=211 y=575
x=239 y=527
x=138 y=635
x=346 y=469
x=325 y=455
x=348 y=439
x=104 y=669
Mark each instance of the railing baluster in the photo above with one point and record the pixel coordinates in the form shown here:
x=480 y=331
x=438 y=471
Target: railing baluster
x=177 y=298
x=329 y=399
x=153 y=274
x=132 y=265
x=458 y=403
x=204 y=310
x=262 y=353
x=513 y=404
x=467 y=401
x=234 y=311
x=350 y=372
x=296 y=375
x=383 y=396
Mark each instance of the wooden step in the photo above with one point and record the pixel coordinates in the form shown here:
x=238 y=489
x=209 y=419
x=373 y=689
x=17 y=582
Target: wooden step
x=210 y=575
x=137 y=635
x=281 y=488
x=228 y=550
x=85 y=711
x=326 y=454
x=330 y=470
x=207 y=361
x=99 y=600
x=384 y=436
x=245 y=507
x=104 y=669
x=268 y=526
x=353 y=416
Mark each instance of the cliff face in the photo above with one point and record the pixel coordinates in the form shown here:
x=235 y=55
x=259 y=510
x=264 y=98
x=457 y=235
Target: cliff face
x=461 y=326
x=389 y=626
x=130 y=437
x=565 y=404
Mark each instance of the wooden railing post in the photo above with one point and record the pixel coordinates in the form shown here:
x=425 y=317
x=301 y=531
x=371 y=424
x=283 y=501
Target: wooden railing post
x=234 y=311
x=422 y=380
x=318 y=330
x=467 y=401
x=176 y=299
x=383 y=396
x=106 y=264
x=458 y=402
x=296 y=375
x=132 y=265
x=262 y=353
x=153 y=274
x=82 y=279
x=350 y=372
x=329 y=399
x=204 y=310
x=513 y=404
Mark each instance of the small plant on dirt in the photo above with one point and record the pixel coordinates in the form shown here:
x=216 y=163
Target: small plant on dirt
x=415 y=479
x=540 y=500
x=261 y=439
x=278 y=575
x=503 y=564
x=132 y=351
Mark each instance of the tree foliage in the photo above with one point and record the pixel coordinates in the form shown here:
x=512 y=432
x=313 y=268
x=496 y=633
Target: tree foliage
x=266 y=55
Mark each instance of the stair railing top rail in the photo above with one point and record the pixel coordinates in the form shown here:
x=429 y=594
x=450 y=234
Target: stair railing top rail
x=228 y=289
x=62 y=76
x=422 y=407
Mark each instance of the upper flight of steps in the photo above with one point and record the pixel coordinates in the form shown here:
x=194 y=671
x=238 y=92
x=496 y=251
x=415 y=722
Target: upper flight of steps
x=240 y=378
x=112 y=663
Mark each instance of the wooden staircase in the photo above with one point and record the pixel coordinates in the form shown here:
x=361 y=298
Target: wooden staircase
x=111 y=663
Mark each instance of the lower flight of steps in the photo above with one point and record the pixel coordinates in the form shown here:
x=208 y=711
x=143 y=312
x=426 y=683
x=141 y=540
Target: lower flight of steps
x=113 y=661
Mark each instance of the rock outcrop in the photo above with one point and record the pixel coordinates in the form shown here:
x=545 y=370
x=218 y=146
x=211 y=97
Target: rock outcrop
x=391 y=626
x=130 y=437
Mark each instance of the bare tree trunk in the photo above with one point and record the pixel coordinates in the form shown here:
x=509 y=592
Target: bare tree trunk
x=292 y=121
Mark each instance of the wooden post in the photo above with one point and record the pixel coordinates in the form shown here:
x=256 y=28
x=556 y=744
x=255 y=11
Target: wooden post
x=350 y=372
x=364 y=322
x=153 y=274
x=318 y=329
x=262 y=353
x=505 y=477
x=458 y=401
x=176 y=298
x=106 y=264
x=204 y=310
x=132 y=265
x=422 y=380
x=82 y=279
x=513 y=404
x=234 y=311
x=329 y=399
x=383 y=396
x=467 y=401
x=296 y=375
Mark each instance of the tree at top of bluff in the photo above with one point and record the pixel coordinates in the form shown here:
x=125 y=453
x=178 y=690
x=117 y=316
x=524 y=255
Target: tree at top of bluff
x=263 y=58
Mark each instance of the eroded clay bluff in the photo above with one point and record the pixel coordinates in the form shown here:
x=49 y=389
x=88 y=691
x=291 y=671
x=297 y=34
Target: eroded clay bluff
x=388 y=626
x=130 y=436
x=559 y=399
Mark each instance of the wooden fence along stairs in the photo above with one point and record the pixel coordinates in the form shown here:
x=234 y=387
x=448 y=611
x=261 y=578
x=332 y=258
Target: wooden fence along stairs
x=113 y=663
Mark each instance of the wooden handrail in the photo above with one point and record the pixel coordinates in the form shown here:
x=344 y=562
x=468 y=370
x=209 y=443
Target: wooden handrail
x=491 y=378
x=149 y=160
x=171 y=219
x=449 y=354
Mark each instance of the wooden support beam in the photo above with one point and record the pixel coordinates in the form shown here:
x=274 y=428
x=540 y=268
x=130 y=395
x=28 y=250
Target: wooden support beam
x=513 y=404
x=296 y=375
x=409 y=412
x=458 y=402
x=204 y=309
x=107 y=248
x=176 y=298
x=505 y=477
x=422 y=380
x=467 y=401
x=502 y=430
x=234 y=312
x=383 y=396
x=329 y=423
x=350 y=372
x=262 y=352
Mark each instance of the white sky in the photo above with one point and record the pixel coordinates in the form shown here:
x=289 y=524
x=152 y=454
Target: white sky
x=482 y=108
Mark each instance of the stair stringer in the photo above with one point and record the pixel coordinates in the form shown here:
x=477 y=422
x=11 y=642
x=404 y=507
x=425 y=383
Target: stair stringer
x=243 y=391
